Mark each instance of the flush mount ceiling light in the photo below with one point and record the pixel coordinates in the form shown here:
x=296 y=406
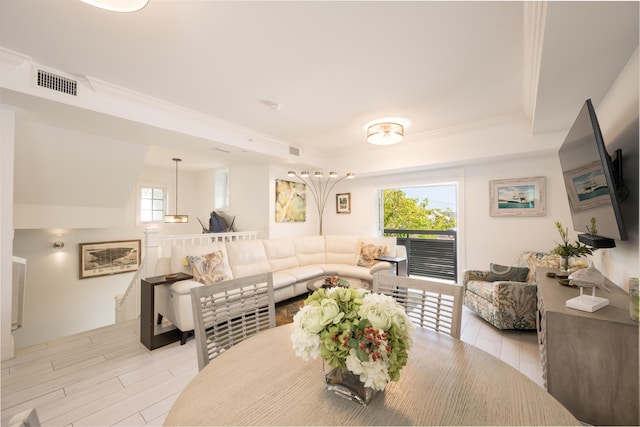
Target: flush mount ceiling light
x=385 y=133
x=118 y=5
x=176 y=217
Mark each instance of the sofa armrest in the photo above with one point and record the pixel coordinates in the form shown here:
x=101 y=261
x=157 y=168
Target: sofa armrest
x=381 y=266
x=468 y=275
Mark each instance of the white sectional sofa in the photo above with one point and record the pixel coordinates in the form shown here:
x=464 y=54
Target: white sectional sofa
x=293 y=262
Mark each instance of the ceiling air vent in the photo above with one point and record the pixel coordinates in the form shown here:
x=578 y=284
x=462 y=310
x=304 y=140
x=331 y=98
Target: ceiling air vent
x=58 y=83
x=294 y=151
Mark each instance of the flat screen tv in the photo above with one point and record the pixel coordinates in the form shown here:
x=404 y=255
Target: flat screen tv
x=593 y=181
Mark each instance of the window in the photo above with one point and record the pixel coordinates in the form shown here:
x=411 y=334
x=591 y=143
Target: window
x=221 y=189
x=152 y=204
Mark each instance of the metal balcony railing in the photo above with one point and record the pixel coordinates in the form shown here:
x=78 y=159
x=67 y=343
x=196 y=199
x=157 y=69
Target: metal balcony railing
x=430 y=253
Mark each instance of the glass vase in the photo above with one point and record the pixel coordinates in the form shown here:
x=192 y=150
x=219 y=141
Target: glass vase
x=348 y=385
x=564 y=265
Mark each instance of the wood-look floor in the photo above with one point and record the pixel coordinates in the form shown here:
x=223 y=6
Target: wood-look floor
x=107 y=377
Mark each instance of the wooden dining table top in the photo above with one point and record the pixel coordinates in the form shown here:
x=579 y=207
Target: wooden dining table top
x=445 y=382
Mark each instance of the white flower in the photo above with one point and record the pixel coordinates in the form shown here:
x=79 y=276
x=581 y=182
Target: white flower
x=330 y=312
x=378 y=309
x=311 y=318
x=372 y=374
x=305 y=343
x=403 y=324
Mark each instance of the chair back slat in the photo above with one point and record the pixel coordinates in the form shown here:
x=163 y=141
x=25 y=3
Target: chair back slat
x=429 y=304
x=229 y=312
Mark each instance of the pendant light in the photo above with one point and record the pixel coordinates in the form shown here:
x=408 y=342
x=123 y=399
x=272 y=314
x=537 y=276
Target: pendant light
x=176 y=217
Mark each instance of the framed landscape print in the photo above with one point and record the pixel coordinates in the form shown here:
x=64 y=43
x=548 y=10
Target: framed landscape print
x=343 y=203
x=291 y=201
x=517 y=197
x=105 y=258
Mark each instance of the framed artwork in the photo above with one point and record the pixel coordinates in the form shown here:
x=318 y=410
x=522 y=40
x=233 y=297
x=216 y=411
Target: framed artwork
x=517 y=197
x=291 y=201
x=587 y=187
x=105 y=258
x=343 y=203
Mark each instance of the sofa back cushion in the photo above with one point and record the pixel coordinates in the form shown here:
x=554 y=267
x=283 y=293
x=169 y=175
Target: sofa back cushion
x=341 y=249
x=180 y=264
x=247 y=257
x=281 y=254
x=310 y=250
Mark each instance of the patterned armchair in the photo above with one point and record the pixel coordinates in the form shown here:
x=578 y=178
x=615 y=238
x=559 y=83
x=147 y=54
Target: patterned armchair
x=507 y=304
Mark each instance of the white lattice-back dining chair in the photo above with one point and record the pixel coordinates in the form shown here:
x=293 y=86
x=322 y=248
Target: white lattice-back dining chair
x=229 y=312
x=429 y=304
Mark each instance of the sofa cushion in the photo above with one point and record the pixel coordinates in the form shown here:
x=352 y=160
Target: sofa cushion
x=310 y=250
x=389 y=243
x=368 y=253
x=247 y=257
x=506 y=273
x=341 y=249
x=281 y=280
x=349 y=270
x=305 y=272
x=208 y=268
x=281 y=254
x=180 y=264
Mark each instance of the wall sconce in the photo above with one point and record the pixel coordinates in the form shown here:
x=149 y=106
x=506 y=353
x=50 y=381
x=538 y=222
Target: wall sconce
x=320 y=188
x=176 y=217
x=58 y=244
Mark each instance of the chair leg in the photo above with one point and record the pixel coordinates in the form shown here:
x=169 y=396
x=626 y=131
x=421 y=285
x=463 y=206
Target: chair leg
x=159 y=321
x=183 y=338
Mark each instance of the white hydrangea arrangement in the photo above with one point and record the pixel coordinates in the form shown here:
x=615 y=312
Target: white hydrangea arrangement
x=368 y=334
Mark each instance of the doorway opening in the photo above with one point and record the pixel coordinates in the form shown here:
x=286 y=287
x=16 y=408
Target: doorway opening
x=423 y=218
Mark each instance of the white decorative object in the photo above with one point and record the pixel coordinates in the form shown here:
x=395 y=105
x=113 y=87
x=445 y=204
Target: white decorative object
x=588 y=278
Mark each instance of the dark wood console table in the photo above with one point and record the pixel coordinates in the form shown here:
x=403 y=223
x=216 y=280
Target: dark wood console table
x=400 y=264
x=589 y=360
x=148 y=335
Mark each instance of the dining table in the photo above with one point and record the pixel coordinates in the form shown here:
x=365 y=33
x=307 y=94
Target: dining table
x=446 y=381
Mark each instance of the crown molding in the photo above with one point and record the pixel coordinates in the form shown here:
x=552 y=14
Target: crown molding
x=535 y=14
x=12 y=59
x=464 y=127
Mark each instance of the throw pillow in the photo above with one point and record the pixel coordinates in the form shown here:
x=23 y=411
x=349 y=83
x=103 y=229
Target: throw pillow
x=369 y=253
x=208 y=268
x=499 y=272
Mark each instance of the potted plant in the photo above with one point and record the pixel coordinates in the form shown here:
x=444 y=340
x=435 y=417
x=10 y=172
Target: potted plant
x=568 y=250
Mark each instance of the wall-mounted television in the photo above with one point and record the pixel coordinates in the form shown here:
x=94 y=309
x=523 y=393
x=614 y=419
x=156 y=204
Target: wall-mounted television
x=593 y=181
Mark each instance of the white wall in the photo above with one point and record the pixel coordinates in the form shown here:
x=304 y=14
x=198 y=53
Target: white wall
x=500 y=239
x=249 y=197
x=7 y=120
